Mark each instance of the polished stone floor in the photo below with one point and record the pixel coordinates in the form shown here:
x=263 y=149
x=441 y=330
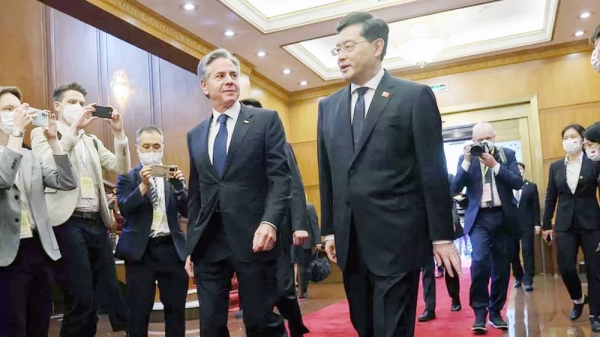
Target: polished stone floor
x=543 y=312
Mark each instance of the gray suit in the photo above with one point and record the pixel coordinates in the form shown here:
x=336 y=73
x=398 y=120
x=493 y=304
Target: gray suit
x=36 y=177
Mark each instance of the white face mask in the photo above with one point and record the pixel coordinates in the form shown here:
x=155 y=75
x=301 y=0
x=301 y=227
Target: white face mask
x=8 y=121
x=595 y=59
x=70 y=112
x=490 y=144
x=150 y=158
x=593 y=153
x=572 y=146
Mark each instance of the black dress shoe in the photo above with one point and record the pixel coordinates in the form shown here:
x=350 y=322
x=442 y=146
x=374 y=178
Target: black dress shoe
x=427 y=316
x=528 y=288
x=518 y=284
x=578 y=309
x=303 y=295
x=298 y=331
x=479 y=327
x=596 y=324
x=455 y=305
x=498 y=323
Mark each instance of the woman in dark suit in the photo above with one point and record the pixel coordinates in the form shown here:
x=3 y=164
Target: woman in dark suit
x=572 y=184
x=27 y=242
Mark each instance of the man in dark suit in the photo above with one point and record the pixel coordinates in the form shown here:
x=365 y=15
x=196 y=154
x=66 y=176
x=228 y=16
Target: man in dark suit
x=238 y=197
x=302 y=254
x=151 y=243
x=528 y=204
x=293 y=233
x=490 y=220
x=383 y=182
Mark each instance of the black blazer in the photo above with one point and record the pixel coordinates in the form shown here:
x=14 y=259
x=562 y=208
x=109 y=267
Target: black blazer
x=583 y=204
x=137 y=211
x=529 y=207
x=295 y=218
x=254 y=188
x=312 y=223
x=394 y=185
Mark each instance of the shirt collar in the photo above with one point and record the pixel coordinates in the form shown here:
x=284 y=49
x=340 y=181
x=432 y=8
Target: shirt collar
x=372 y=83
x=578 y=160
x=233 y=112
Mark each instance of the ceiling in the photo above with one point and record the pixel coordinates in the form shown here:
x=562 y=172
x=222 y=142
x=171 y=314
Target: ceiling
x=299 y=35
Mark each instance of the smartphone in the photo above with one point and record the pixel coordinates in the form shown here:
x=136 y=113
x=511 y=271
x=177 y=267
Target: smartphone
x=166 y=171
x=103 y=111
x=42 y=117
x=178 y=184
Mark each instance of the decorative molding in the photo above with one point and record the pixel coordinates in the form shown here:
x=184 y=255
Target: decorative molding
x=260 y=80
x=461 y=67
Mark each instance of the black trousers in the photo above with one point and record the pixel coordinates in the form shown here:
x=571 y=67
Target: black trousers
x=303 y=257
x=287 y=304
x=26 y=292
x=568 y=244
x=429 y=292
x=160 y=263
x=524 y=241
x=379 y=306
x=87 y=264
x=492 y=253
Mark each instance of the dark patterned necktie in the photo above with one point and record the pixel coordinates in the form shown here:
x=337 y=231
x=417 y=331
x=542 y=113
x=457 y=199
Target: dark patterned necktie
x=359 y=115
x=154 y=193
x=220 y=146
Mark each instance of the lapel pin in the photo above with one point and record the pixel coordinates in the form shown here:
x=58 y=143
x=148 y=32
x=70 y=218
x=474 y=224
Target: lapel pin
x=385 y=94
x=580 y=177
x=246 y=121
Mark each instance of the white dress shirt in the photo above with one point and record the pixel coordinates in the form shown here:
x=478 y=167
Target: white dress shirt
x=372 y=84
x=573 y=171
x=162 y=228
x=232 y=113
x=466 y=165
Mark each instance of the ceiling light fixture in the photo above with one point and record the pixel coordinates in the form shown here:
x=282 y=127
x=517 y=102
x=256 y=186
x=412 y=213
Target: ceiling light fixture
x=303 y=83
x=423 y=45
x=229 y=33
x=286 y=71
x=585 y=15
x=579 y=33
x=189 y=6
x=261 y=54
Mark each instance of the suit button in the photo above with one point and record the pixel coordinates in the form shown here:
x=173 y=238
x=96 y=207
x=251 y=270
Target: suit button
x=16 y=197
x=220 y=184
x=16 y=219
x=351 y=172
x=347 y=202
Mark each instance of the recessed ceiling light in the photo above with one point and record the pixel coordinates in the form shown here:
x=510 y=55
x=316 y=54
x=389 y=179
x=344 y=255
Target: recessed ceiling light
x=579 y=33
x=261 y=54
x=229 y=33
x=287 y=71
x=189 y=6
x=303 y=83
x=585 y=15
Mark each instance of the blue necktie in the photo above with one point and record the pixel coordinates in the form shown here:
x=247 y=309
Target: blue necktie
x=220 y=146
x=359 y=114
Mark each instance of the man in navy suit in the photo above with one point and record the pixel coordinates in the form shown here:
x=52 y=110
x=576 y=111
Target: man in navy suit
x=151 y=242
x=240 y=190
x=383 y=182
x=490 y=221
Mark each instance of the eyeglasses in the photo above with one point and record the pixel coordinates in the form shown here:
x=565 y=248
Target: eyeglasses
x=347 y=48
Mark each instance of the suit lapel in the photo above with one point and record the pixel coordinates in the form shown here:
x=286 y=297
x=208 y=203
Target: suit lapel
x=562 y=174
x=586 y=166
x=378 y=104
x=203 y=157
x=26 y=170
x=343 y=129
x=243 y=124
x=167 y=191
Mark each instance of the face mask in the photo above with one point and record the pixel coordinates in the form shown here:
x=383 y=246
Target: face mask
x=595 y=60
x=592 y=153
x=150 y=158
x=8 y=121
x=70 y=112
x=490 y=144
x=572 y=146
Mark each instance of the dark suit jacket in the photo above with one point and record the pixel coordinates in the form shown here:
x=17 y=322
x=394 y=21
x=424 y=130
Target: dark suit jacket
x=295 y=218
x=394 y=185
x=137 y=211
x=529 y=208
x=314 y=232
x=254 y=188
x=508 y=179
x=583 y=204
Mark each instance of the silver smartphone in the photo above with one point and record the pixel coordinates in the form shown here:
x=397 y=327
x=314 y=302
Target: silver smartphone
x=42 y=118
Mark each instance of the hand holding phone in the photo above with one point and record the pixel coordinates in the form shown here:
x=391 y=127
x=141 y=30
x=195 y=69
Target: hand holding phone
x=40 y=117
x=165 y=171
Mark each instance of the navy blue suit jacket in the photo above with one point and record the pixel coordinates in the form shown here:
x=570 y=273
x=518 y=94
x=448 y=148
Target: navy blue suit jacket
x=508 y=179
x=137 y=211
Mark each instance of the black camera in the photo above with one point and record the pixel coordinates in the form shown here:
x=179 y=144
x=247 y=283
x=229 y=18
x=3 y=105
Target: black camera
x=480 y=148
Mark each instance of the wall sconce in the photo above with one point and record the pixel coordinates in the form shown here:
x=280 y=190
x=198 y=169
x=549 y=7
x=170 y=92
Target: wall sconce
x=120 y=85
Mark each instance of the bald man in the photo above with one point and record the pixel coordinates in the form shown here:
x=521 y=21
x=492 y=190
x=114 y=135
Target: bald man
x=490 y=174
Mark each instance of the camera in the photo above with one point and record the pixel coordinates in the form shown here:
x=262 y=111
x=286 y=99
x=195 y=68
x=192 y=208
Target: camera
x=480 y=148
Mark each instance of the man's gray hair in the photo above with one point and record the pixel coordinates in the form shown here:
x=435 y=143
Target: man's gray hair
x=203 y=65
x=148 y=128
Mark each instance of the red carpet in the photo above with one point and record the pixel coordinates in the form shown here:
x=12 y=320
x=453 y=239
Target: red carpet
x=334 y=320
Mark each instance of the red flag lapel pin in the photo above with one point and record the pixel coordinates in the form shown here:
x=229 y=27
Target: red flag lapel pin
x=385 y=94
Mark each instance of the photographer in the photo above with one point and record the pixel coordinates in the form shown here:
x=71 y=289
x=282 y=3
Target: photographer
x=490 y=175
x=151 y=243
x=81 y=217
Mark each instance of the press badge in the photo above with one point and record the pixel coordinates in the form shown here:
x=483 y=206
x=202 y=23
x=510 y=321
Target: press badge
x=157 y=218
x=87 y=188
x=25 y=226
x=486 y=196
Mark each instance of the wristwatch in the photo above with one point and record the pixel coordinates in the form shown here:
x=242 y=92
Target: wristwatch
x=17 y=133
